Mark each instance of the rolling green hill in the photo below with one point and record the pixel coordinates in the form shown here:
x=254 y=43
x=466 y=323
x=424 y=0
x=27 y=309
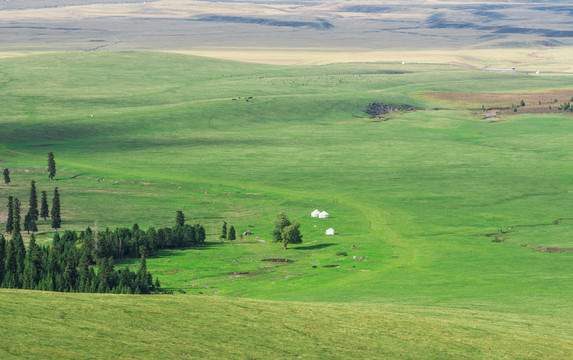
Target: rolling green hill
x=416 y=197
x=55 y=325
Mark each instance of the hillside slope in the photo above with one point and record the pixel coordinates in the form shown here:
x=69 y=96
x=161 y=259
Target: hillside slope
x=72 y=326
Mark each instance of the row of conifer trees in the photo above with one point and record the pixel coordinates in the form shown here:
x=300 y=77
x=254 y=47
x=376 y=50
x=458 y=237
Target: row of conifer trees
x=67 y=267
x=68 y=264
x=125 y=242
x=14 y=220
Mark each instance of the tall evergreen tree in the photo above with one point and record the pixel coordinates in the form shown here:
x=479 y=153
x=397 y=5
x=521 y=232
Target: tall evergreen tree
x=56 y=218
x=200 y=234
x=2 y=257
x=18 y=243
x=34 y=262
x=232 y=234
x=180 y=220
x=51 y=166
x=33 y=208
x=11 y=269
x=10 y=218
x=105 y=266
x=224 y=231
x=7 y=176
x=28 y=222
x=44 y=210
x=143 y=280
x=16 y=216
x=70 y=274
x=84 y=272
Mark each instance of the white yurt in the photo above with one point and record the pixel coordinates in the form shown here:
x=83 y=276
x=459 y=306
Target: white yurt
x=315 y=213
x=330 y=231
x=323 y=215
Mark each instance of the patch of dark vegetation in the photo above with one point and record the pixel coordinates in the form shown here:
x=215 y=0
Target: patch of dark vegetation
x=546 y=249
x=331 y=266
x=314 y=247
x=496 y=237
x=367 y=9
x=566 y=106
x=66 y=267
x=378 y=109
x=242 y=273
x=318 y=25
x=487 y=235
x=555 y=222
x=42 y=145
x=278 y=260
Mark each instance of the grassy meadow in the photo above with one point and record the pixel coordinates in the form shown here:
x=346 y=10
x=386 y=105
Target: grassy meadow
x=183 y=327
x=139 y=135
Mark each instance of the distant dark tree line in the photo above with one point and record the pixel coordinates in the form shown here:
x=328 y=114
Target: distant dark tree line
x=125 y=242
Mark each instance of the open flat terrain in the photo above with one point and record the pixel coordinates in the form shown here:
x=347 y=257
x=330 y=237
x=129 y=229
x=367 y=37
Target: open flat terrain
x=489 y=33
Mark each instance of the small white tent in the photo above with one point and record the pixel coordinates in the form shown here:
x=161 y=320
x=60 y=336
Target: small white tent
x=315 y=213
x=323 y=215
x=330 y=231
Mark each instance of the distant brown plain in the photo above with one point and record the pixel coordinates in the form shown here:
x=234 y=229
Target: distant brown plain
x=477 y=34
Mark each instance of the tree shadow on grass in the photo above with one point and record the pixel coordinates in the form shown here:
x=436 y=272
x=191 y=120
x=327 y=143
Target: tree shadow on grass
x=182 y=251
x=314 y=247
x=68 y=178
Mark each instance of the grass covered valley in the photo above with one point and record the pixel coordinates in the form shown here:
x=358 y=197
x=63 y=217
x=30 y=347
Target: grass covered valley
x=453 y=215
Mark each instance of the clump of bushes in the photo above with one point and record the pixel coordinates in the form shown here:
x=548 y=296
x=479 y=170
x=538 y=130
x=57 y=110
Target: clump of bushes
x=377 y=109
x=342 y=253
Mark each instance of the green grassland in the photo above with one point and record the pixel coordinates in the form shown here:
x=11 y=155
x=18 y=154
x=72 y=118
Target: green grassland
x=199 y=327
x=414 y=193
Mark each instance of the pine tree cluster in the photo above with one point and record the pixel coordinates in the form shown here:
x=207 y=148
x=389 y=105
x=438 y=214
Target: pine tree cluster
x=66 y=267
x=123 y=242
x=13 y=221
x=68 y=264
